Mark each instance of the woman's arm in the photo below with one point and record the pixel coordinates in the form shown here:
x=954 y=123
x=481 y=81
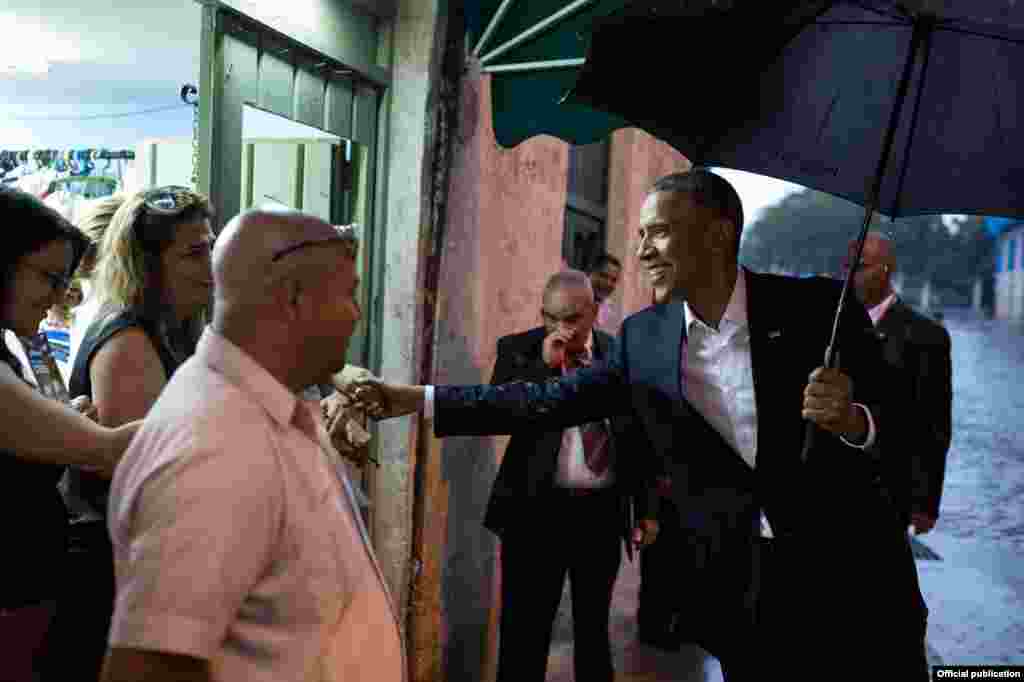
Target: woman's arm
x=39 y=429
x=127 y=377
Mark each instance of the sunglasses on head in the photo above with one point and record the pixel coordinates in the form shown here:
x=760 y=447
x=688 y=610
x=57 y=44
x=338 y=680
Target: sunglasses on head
x=169 y=199
x=343 y=233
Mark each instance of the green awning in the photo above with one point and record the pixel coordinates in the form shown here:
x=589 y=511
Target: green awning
x=533 y=50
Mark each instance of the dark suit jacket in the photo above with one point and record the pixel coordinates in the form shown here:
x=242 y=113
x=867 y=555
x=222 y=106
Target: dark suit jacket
x=529 y=466
x=717 y=494
x=917 y=352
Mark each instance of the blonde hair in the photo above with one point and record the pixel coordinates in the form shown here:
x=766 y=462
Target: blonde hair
x=96 y=216
x=93 y=222
x=127 y=274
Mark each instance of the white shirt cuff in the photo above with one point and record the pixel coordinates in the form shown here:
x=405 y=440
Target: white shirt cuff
x=428 y=403
x=871 y=430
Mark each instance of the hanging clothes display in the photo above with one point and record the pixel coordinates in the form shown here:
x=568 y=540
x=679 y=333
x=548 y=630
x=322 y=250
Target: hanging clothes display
x=66 y=179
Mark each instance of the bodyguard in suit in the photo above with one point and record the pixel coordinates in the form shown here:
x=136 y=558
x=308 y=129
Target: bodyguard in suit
x=561 y=503
x=917 y=354
x=802 y=568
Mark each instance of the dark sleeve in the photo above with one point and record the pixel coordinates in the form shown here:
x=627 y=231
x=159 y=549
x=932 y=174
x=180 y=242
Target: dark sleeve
x=588 y=395
x=503 y=367
x=934 y=393
x=638 y=457
x=636 y=460
x=860 y=357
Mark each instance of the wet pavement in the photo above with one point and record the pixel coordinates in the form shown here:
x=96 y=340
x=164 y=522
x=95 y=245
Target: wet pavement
x=975 y=593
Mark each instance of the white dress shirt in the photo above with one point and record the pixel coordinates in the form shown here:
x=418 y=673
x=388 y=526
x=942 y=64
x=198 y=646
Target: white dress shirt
x=718 y=378
x=878 y=312
x=572 y=471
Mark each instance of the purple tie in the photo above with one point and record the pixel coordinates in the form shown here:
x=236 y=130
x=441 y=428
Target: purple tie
x=594 y=434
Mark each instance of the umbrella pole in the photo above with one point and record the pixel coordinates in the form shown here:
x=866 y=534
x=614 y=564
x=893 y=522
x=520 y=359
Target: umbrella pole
x=923 y=26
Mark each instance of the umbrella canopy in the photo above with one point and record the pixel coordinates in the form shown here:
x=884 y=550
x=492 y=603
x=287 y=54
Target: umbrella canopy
x=533 y=50
x=906 y=107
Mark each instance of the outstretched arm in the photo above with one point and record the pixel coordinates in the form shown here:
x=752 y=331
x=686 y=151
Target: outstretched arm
x=39 y=429
x=587 y=395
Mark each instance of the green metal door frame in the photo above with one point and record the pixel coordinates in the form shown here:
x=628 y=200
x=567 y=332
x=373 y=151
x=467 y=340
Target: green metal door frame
x=247 y=62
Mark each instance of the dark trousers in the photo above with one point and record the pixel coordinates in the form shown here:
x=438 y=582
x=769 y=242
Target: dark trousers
x=809 y=626
x=563 y=534
x=78 y=637
x=24 y=633
x=663 y=579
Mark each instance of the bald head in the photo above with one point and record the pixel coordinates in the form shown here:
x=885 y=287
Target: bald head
x=873 y=279
x=260 y=249
x=878 y=248
x=287 y=288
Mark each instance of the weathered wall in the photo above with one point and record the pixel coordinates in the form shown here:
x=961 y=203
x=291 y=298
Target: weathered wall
x=417 y=34
x=636 y=160
x=502 y=240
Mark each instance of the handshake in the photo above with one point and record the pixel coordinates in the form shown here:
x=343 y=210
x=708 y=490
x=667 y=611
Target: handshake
x=362 y=395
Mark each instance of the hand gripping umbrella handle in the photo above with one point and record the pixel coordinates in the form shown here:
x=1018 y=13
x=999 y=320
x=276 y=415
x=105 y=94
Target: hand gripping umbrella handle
x=811 y=430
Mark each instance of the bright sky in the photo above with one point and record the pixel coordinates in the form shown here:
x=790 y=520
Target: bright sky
x=760 y=191
x=757 y=191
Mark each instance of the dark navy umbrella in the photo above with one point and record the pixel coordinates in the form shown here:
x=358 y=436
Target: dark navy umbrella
x=906 y=108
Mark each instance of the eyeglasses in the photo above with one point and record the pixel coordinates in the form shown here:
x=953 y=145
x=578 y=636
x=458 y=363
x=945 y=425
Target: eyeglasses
x=57 y=282
x=570 y=319
x=344 y=233
x=169 y=199
x=866 y=266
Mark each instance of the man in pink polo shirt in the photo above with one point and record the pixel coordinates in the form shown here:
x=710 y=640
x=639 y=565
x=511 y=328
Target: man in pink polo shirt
x=238 y=547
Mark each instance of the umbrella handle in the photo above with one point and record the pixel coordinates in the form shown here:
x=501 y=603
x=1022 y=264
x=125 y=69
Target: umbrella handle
x=811 y=430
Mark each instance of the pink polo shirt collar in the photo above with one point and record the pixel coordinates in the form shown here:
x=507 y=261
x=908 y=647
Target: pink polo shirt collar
x=237 y=367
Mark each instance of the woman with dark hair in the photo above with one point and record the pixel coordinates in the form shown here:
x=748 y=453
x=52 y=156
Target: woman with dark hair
x=38 y=436
x=154 y=283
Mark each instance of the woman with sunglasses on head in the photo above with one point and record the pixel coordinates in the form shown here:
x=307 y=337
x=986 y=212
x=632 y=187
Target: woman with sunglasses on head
x=38 y=436
x=154 y=283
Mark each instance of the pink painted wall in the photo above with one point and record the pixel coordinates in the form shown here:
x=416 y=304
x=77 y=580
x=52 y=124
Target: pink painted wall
x=636 y=160
x=503 y=239
x=506 y=210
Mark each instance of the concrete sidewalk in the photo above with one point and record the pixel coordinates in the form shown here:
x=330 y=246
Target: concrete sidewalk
x=975 y=598
x=639 y=663
x=633 y=662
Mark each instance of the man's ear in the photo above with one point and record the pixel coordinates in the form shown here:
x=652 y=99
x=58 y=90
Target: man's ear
x=288 y=296
x=722 y=235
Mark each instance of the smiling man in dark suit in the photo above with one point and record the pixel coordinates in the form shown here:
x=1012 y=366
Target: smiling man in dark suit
x=562 y=501
x=720 y=381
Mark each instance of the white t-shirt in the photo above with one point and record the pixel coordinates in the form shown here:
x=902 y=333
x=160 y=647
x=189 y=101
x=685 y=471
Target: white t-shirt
x=84 y=315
